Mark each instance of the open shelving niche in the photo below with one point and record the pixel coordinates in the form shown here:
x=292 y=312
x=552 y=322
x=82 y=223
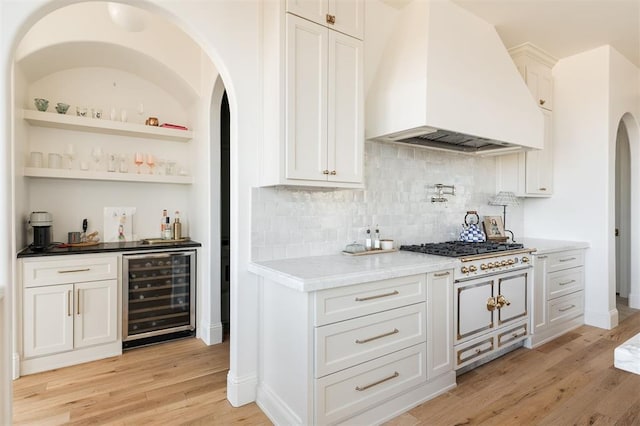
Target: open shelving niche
x=119 y=128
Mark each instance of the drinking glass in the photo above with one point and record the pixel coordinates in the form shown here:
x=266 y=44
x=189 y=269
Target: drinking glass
x=96 y=153
x=150 y=162
x=70 y=153
x=138 y=159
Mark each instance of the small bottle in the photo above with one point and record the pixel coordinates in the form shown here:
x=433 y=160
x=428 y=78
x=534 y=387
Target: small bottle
x=163 y=223
x=177 y=227
x=168 y=230
x=376 y=241
x=367 y=241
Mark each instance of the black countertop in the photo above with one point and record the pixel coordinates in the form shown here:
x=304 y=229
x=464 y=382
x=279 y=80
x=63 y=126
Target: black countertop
x=109 y=247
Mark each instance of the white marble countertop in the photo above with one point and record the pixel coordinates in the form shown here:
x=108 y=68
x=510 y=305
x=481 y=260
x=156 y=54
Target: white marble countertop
x=544 y=246
x=323 y=272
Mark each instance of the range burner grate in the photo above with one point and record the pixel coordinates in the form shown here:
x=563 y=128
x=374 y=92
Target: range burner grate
x=461 y=248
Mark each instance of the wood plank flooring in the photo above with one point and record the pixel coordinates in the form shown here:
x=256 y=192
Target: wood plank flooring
x=569 y=381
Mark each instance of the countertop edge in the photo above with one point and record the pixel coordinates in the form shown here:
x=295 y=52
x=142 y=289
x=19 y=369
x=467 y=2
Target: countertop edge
x=546 y=246
x=334 y=281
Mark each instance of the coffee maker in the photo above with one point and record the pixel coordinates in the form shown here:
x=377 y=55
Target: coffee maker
x=41 y=223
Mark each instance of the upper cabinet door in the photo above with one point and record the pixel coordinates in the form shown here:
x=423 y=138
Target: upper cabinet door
x=345 y=141
x=539 y=180
x=540 y=83
x=313 y=10
x=347 y=16
x=306 y=100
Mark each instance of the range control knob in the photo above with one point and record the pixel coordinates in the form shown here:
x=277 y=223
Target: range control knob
x=510 y=262
x=503 y=263
x=464 y=270
x=525 y=259
x=484 y=267
x=473 y=268
x=490 y=265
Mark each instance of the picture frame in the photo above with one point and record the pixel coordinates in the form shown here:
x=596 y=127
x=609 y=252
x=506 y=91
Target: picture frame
x=494 y=228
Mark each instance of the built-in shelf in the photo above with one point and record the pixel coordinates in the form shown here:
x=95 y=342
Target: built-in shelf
x=97 y=125
x=35 y=172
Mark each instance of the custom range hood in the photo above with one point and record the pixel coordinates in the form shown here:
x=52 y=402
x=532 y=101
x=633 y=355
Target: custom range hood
x=446 y=81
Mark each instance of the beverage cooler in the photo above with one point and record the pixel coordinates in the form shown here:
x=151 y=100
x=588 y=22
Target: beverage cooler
x=159 y=297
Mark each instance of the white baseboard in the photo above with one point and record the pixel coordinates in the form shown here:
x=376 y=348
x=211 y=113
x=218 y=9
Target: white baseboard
x=212 y=334
x=275 y=408
x=241 y=390
x=16 y=366
x=634 y=300
x=606 y=320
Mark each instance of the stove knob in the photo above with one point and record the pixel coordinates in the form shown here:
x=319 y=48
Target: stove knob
x=464 y=270
x=510 y=262
x=503 y=263
x=473 y=268
x=484 y=267
x=525 y=259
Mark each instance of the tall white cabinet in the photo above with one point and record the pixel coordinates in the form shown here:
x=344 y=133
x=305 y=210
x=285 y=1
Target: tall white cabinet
x=530 y=174
x=314 y=96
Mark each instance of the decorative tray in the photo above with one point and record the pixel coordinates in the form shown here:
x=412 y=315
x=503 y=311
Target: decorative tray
x=163 y=241
x=365 y=253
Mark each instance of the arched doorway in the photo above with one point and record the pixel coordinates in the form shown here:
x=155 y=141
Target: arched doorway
x=210 y=278
x=622 y=218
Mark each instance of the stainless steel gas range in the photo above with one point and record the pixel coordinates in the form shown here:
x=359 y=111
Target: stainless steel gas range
x=491 y=294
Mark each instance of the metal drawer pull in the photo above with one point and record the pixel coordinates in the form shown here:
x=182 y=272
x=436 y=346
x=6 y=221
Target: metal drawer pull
x=393 y=376
x=441 y=274
x=567 y=282
x=74 y=270
x=542 y=257
x=377 y=296
x=69 y=303
x=567 y=259
x=78 y=301
x=567 y=308
x=395 y=331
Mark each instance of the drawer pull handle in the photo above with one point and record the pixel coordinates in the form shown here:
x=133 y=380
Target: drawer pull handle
x=69 y=303
x=68 y=271
x=377 y=296
x=542 y=257
x=441 y=274
x=567 y=259
x=393 y=376
x=567 y=308
x=395 y=331
x=567 y=282
x=78 y=302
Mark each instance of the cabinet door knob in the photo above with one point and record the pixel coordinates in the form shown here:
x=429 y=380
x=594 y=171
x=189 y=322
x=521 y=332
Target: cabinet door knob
x=331 y=19
x=325 y=172
x=333 y=173
x=542 y=101
x=542 y=189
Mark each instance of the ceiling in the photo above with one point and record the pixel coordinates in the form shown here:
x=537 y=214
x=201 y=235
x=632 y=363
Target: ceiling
x=561 y=27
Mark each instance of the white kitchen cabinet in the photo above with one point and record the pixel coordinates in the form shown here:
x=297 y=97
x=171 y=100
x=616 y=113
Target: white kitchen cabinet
x=557 y=295
x=320 y=105
x=70 y=311
x=345 y=16
x=109 y=127
x=530 y=174
x=354 y=353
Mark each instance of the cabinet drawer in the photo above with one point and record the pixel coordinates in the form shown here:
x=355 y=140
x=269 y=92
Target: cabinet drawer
x=566 y=307
x=73 y=269
x=473 y=350
x=346 y=393
x=512 y=335
x=565 y=260
x=363 y=299
x=344 y=344
x=565 y=282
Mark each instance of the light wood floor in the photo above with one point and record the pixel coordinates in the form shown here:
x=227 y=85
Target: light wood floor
x=570 y=381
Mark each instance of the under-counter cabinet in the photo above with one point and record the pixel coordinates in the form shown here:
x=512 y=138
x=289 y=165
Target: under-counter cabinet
x=361 y=353
x=70 y=311
x=314 y=103
x=558 y=295
x=530 y=174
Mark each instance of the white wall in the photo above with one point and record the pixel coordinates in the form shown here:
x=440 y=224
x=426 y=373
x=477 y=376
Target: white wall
x=289 y=222
x=591 y=91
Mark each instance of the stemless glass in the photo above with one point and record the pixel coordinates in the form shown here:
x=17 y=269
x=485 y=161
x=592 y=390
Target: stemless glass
x=96 y=153
x=138 y=159
x=150 y=162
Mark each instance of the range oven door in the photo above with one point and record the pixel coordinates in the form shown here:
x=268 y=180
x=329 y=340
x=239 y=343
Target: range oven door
x=490 y=302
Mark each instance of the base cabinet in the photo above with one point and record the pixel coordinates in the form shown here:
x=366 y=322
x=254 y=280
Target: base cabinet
x=355 y=354
x=557 y=294
x=70 y=311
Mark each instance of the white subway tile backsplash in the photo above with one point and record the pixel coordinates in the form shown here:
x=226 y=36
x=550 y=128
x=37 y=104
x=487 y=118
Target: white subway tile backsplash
x=293 y=222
